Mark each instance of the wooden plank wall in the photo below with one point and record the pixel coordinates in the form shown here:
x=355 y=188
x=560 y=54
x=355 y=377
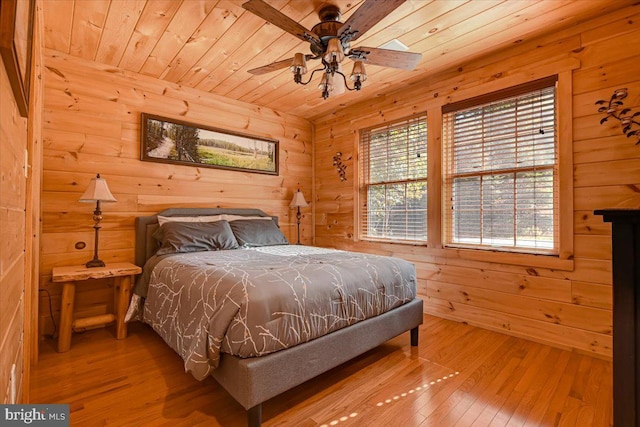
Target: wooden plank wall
x=92 y=125
x=13 y=143
x=32 y=208
x=19 y=224
x=570 y=309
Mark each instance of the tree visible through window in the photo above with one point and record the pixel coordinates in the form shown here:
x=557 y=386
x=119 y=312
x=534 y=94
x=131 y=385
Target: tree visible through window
x=393 y=193
x=501 y=180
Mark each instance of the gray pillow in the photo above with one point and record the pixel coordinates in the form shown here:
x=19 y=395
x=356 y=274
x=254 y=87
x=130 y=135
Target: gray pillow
x=255 y=232
x=176 y=237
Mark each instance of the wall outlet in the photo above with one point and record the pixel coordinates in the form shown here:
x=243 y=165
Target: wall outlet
x=12 y=380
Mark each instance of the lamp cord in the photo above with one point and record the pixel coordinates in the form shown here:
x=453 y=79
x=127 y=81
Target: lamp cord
x=55 y=327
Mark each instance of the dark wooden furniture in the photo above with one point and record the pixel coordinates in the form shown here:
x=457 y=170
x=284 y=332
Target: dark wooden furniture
x=625 y=235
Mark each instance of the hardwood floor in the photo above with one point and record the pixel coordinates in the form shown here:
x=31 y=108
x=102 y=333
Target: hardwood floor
x=458 y=376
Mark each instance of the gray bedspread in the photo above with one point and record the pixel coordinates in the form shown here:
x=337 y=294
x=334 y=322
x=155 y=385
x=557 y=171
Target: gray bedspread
x=251 y=302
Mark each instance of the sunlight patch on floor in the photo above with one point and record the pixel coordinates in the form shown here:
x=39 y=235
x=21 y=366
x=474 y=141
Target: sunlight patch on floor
x=420 y=387
x=341 y=419
x=393 y=399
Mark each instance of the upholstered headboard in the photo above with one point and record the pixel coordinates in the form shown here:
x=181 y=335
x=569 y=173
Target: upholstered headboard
x=146 y=245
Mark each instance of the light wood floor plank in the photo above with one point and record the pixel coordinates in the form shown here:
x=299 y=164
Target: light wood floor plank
x=458 y=376
x=531 y=386
x=486 y=397
x=604 y=403
x=543 y=399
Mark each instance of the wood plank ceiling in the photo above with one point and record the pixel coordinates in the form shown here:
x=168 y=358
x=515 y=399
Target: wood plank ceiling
x=210 y=44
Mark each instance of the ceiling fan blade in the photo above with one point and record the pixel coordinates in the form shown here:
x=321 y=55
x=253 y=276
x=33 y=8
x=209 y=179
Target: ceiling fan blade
x=368 y=15
x=278 y=65
x=386 y=57
x=279 y=19
x=275 y=66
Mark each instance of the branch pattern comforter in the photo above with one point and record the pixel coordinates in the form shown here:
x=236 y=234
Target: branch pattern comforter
x=252 y=302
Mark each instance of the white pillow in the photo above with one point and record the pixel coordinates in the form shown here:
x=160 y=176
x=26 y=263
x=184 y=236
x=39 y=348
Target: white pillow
x=206 y=218
x=235 y=217
x=210 y=218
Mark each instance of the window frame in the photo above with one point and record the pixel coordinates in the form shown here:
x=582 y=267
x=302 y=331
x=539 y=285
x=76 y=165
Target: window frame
x=563 y=259
x=434 y=249
x=361 y=187
x=486 y=174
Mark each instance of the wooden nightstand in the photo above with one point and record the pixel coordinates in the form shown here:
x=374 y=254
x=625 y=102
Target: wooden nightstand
x=123 y=274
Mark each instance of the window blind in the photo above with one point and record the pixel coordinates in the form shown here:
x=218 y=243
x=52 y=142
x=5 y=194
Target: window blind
x=393 y=189
x=501 y=179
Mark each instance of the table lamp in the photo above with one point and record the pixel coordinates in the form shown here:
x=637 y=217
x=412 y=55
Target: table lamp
x=298 y=201
x=98 y=191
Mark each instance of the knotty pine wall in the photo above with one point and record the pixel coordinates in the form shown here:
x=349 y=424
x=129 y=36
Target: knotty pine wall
x=19 y=225
x=92 y=125
x=13 y=142
x=567 y=308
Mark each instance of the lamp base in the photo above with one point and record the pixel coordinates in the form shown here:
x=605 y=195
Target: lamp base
x=298 y=217
x=94 y=263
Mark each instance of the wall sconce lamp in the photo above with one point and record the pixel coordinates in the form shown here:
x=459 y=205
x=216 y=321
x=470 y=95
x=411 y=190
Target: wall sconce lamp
x=298 y=202
x=340 y=167
x=98 y=191
x=627 y=120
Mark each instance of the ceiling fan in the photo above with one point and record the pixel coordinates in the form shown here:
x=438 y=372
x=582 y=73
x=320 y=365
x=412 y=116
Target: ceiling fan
x=330 y=42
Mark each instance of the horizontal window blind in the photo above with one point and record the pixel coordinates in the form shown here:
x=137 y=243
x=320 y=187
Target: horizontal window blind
x=501 y=173
x=393 y=189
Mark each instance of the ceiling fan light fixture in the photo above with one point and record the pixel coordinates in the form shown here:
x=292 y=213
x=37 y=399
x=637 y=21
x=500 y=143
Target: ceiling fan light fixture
x=335 y=52
x=358 y=72
x=299 y=64
x=337 y=82
x=358 y=75
x=330 y=41
x=298 y=67
x=325 y=85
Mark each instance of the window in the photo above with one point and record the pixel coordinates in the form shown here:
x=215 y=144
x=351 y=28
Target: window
x=393 y=191
x=501 y=170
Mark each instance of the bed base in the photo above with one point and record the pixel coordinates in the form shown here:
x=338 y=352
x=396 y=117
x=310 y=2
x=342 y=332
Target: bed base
x=254 y=380
x=254 y=414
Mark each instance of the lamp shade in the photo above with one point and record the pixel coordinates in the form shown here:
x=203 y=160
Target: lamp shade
x=336 y=82
x=334 y=50
x=298 y=200
x=325 y=83
x=299 y=64
x=98 y=191
x=358 y=71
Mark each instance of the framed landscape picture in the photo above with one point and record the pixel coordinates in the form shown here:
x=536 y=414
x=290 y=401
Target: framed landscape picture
x=174 y=141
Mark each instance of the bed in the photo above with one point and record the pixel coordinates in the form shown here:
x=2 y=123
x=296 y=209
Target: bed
x=256 y=366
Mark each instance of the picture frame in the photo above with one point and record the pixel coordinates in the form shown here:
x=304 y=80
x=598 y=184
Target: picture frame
x=16 y=35
x=178 y=142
